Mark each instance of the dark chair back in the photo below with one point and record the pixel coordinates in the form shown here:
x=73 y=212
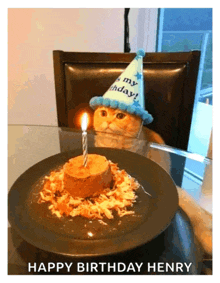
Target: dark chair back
x=169 y=79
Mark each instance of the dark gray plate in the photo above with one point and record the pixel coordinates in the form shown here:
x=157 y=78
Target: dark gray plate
x=78 y=236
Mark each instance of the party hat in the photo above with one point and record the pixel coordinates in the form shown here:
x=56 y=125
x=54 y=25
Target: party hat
x=127 y=92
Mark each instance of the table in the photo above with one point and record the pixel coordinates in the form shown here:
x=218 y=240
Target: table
x=28 y=144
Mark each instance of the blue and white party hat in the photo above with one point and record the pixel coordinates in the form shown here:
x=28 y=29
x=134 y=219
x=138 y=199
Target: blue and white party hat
x=127 y=92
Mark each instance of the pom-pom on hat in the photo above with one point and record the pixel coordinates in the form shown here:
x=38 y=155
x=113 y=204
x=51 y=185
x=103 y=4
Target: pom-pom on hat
x=127 y=92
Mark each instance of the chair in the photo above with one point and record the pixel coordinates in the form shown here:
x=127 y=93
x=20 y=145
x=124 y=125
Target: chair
x=169 y=78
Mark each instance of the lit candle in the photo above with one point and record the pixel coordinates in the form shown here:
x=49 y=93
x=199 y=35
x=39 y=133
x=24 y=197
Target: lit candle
x=84 y=139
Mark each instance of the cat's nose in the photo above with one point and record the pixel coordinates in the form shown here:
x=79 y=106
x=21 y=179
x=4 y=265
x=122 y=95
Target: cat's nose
x=105 y=124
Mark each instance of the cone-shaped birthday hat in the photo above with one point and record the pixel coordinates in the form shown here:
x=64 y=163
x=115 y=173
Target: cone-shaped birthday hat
x=127 y=92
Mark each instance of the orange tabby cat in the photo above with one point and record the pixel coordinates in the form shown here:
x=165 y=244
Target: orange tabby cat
x=119 y=129
x=123 y=129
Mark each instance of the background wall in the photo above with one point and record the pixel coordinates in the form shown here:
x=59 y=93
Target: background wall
x=32 y=36
x=143 y=29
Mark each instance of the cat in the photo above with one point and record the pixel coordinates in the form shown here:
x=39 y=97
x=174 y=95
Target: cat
x=115 y=121
x=118 y=129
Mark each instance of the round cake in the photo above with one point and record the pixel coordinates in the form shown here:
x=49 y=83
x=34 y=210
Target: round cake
x=87 y=181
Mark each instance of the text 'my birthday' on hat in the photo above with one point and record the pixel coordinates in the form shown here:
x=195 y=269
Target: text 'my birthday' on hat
x=125 y=91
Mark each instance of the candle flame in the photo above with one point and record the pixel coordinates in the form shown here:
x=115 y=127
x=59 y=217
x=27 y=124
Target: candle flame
x=84 y=122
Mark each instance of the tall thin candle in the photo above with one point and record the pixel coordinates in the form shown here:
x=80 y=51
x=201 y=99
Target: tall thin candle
x=84 y=139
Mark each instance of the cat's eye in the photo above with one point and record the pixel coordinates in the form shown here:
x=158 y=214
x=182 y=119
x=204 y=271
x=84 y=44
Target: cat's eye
x=103 y=113
x=120 y=115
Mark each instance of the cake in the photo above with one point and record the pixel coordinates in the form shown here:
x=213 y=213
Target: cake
x=87 y=181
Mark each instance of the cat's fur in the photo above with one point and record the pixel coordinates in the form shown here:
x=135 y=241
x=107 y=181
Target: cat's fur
x=125 y=132
x=119 y=129
x=128 y=126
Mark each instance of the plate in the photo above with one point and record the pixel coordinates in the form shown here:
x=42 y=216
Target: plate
x=81 y=237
